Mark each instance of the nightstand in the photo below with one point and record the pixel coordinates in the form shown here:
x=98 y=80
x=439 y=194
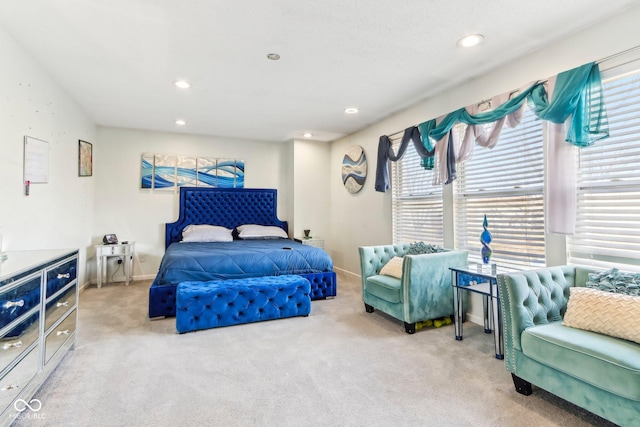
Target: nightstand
x=123 y=250
x=311 y=241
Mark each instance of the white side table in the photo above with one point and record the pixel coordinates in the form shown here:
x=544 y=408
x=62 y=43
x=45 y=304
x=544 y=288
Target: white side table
x=311 y=241
x=124 y=250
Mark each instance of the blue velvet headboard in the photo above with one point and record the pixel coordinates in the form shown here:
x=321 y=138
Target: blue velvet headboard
x=228 y=207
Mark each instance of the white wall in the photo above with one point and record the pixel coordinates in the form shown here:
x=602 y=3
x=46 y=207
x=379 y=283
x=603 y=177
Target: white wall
x=310 y=188
x=58 y=214
x=365 y=218
x=359 y=219
x=132 y=213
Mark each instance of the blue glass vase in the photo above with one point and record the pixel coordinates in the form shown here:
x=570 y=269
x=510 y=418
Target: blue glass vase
x=485 y=239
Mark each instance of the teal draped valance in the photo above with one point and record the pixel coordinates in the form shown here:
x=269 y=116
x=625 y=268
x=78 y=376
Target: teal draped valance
x=577 y=97
x=578 y=92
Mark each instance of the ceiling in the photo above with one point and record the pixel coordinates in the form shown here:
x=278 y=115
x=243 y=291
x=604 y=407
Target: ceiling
x=118 y=58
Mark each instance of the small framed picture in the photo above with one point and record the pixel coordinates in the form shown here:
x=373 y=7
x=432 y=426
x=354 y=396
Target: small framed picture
x=85 y=158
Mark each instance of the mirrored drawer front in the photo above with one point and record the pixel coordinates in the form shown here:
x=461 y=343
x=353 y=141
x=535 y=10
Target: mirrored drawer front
x=58 y=306
x=16 y=380
x=18 y=339
x=58 y=277
x=59 y=335
x=17 y=301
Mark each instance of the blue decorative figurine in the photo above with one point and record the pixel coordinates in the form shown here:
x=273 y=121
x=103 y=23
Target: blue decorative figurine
x=485 y=239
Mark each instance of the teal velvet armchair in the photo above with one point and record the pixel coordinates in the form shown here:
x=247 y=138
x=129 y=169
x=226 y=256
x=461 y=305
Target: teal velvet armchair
x=423 y=293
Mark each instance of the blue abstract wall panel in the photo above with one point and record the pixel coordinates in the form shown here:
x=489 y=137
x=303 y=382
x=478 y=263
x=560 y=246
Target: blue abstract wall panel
x=239 y=173
x=230 y=173
x=206 y=173
x=167 y=171
x=186 y=172
x=146 y=171
x=354 y=169
x=164 y=171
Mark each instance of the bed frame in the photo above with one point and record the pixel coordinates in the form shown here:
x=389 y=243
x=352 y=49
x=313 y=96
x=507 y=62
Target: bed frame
x=227 y=207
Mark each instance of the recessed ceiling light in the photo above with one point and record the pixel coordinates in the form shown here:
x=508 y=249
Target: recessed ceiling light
x=470 y=40
x=351 y=110
x=182 y=84
x=180 y=122
x=273 y=56
x=307 y=134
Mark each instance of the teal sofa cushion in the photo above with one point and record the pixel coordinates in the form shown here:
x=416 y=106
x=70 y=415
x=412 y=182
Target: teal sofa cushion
x=384 y=287
x=610 y=363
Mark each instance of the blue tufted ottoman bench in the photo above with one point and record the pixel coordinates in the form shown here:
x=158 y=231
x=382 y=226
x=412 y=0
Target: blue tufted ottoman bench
x=203 y=305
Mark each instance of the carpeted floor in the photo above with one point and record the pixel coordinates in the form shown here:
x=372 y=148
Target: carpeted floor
x=338 y=367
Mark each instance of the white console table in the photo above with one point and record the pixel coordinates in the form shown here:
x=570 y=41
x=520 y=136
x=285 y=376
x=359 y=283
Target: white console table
x=123 y=250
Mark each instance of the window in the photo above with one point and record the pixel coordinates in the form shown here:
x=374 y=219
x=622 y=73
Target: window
x=506 y=184
x=416 y=202
x=608 y=184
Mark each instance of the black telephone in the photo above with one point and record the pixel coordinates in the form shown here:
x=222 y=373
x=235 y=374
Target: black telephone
x=110 y=239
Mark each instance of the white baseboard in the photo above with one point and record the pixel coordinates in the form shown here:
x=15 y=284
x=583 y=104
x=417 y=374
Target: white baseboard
x=144 y=277
x=93 y=282
x=343 y=271
x=84 y=286
x=475 y=319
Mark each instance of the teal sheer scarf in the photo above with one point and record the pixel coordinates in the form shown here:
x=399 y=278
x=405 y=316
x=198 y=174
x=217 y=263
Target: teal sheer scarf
x=577 y=94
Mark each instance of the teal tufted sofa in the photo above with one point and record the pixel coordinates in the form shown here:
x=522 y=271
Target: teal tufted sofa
x=423 y=293
x=594 y=371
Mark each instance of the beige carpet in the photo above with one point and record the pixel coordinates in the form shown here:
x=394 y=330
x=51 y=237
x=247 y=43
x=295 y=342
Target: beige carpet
x=338 y=367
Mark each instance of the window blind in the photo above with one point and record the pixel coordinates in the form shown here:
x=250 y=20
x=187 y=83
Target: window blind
x=506 y=184
x=416 y=202
x=608 y=184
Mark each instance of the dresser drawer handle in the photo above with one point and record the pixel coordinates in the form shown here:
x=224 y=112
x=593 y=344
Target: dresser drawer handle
x=64 y=276
x=65 y=332
x=10 y=387
x=10 y=304
x=62 y=304
x=7 y=346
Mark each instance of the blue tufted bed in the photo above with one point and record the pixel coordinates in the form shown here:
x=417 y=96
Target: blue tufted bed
x=200 y=261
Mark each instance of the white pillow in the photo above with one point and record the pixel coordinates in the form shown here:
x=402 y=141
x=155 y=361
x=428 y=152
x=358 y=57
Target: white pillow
x=393 y=267
x=206 y=233
x=617 y=315
x=254 y=231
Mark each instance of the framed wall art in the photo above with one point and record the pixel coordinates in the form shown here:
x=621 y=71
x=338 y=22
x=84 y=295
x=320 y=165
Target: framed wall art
x=85 y=158
x=170 y=171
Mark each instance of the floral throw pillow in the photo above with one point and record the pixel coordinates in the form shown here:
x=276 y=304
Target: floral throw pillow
x=614 y=281
x=419 y=248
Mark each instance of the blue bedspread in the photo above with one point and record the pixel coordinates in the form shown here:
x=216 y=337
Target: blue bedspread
x=238 y=259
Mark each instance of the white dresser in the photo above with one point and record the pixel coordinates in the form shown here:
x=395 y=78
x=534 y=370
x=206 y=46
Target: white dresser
x=38 y=317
